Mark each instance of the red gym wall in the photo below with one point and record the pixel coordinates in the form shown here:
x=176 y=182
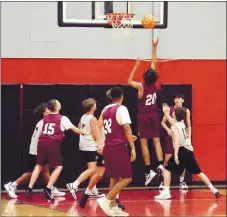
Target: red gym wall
x=208 y=79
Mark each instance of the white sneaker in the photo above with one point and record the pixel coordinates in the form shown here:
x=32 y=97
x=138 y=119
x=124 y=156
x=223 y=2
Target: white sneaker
x=95 y=193
x=164 y=195
x=183 y=186
x=161 y=186
x=11 y=190
x=149 y=177
x=118 y=212
x=105 y=205
x=56 y=193
x=72 y=190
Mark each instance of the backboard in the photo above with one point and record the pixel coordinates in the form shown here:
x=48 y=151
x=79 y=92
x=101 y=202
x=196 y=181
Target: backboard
x=92 y=13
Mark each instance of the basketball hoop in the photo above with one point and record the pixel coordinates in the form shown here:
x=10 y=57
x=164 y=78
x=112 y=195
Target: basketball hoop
x=122 y=24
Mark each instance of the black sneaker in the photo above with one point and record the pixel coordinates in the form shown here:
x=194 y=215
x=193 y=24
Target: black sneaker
x=83 y=200
x=47 y=193
x=28 y=193
x=217 y=194
x=120 y=205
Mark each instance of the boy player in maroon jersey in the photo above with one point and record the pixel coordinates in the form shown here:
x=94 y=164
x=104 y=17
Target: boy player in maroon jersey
x=49 y=150
x=148 y=117
x=116 y=123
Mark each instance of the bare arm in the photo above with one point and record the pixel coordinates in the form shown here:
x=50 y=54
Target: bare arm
x=176 y=139
x=189 y=128
x=154 y=54
x=77 y=130
x=163 y=123
x=137 y=85
x=169 y=118
x=100 y=121
x=94 y=129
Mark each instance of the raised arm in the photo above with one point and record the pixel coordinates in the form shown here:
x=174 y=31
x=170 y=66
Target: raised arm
x=163 y=123
x=166 y=111
x=189 y=128
x=154 y=54
x=137 y=85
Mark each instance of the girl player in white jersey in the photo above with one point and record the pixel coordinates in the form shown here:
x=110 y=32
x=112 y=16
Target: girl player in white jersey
x=12 y=186
x=183 y=154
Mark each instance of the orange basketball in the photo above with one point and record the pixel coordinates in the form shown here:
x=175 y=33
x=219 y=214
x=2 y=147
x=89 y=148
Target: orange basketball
x=148 y=22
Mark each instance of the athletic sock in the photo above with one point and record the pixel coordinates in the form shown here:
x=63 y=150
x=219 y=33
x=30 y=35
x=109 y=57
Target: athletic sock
x=117 y=196
x=76 y=184
x=166 y=189
x=29 y=189
x=161 y=162
x=87 y=191
x=181 y=178
x=212 y=188
x=94 y=188
x=14 y=184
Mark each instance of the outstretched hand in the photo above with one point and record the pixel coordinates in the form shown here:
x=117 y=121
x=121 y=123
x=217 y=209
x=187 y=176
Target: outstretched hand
x=155 y=43
x=165 y=108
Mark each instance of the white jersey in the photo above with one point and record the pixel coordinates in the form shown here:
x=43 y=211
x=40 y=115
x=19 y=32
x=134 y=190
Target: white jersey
x=87 y=142
x=35 y=138
x=183 y=136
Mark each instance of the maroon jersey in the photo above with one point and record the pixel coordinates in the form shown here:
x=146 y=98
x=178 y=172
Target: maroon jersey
x=51 y=131
x=147 y=105
x=113 y=131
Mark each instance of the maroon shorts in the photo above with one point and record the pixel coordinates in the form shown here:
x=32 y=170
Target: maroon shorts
x=148 y=127
x=49 y=154
x=117 y=161
x=168 y=144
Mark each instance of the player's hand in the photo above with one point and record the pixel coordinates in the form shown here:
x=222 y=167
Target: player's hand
x=165 y=108
x=134 y=138
x=176 y=159
x=155 y=43
x=83 y=132
x=133 y=155
x=169 y=132
x=100 y=150
x=138 y=61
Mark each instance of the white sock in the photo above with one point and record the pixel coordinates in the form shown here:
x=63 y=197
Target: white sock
x=212 y=188
x=94 y=188
x=181 y=178
x=14 y=184
x=76 y=184
x=117 y=196
x=87 y=191
x=166 y=189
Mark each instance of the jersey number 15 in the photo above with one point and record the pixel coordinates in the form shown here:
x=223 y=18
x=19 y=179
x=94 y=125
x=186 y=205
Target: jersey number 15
x=49 y=128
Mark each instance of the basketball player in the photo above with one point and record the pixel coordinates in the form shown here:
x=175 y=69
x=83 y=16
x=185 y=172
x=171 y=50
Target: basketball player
x=88 y=145
x=52 y=134
x=12 y=186
x=178 y=101
x=148 y=116
x=116 y=122
x=91 y=190
x=183 y=153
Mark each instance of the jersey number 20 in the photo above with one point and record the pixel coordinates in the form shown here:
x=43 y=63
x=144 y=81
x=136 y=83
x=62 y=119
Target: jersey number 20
x=107 y=125
x=150 y=99
x=49 y=128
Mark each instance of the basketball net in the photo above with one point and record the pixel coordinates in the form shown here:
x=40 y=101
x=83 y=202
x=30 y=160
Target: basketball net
x=122 y=25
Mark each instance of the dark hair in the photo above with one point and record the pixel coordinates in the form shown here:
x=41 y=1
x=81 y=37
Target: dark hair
x=108 y=96
x=180 y=114
x=40 y=109
x=51 y=105
x=150 y=76
x=116 y=93
x=88 y=104
x=178 y=95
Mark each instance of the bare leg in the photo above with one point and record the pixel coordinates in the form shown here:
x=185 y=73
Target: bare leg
x=167 y=178
x=54 y=176
x=158 y=148
x=145 y=151
x=167 y=157
x=46 y=174
x=23 y=178
x=35 y=175
x=96 y=177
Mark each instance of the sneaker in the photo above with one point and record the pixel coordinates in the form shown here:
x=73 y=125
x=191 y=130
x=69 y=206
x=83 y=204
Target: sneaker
x=56 y=193
x=47 y=193
x=164 y=195
x=183 y=186
x=72 y=190
x=83 y=200
x=217 y=194
x=28 y=193
x=117 y=212
x=149 y=177
x=105 y=205
x=95 y=193
x=160 y=170
x=161 y=186
x=120 y=205
x=11 y=190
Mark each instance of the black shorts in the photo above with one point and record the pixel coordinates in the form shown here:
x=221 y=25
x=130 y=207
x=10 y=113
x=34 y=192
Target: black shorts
x=100 y=161
x=187 y=161
x=89 y=156
x=31 y=163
